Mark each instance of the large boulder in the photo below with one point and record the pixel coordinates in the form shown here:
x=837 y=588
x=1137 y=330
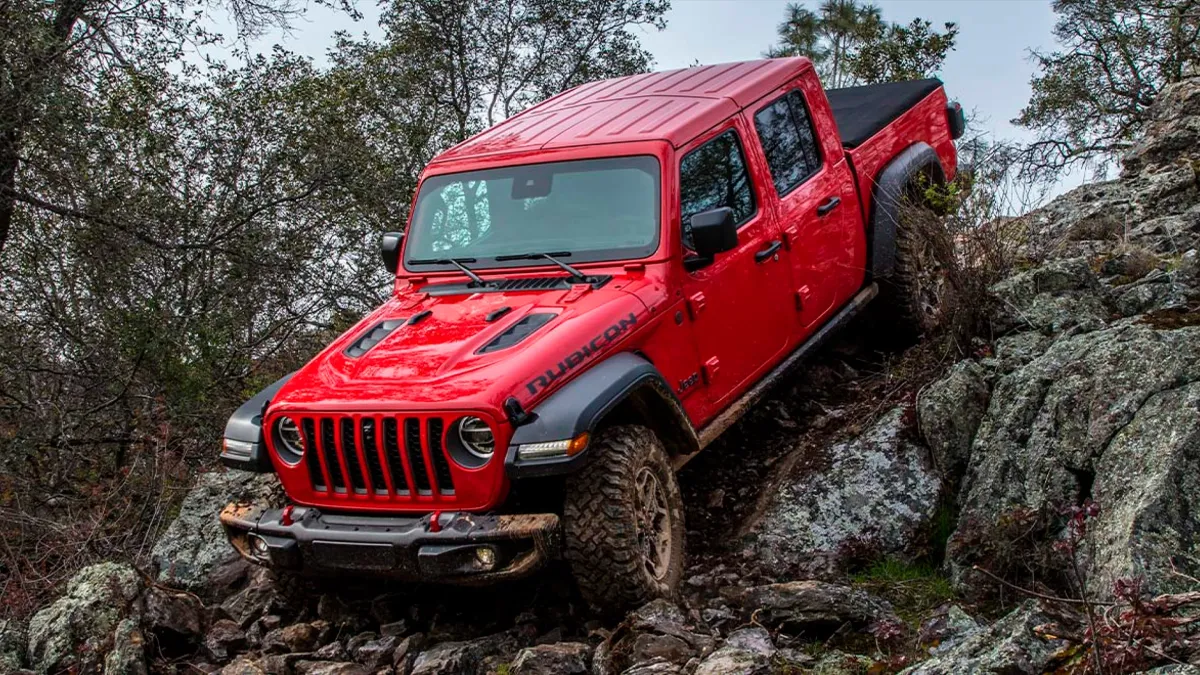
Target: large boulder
x=813 y=607
x=1014 y=644
x=949 y=412
x=1051 y=298
x=745 y=652
x=1109 y=415
x=194 y=546
x=12 y=646
x=79 y=629
x=560 y=658
x=875 y=494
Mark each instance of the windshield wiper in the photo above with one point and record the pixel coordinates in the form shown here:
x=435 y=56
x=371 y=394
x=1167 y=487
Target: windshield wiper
x=476 y=280
x=553 y=257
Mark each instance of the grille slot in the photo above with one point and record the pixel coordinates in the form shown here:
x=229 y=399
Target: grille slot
x=394 y=458
x=416 y=459
x=368 y=435
x=441 y=467
x=329 y=450
x=311 y=459
x=391 y=448
x=349 y=450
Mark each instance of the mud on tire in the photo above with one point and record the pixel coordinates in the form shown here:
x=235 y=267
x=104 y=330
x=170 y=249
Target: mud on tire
x=912 y=300
x=623 y=521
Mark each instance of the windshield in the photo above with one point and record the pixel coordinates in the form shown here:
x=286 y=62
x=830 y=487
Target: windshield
x=594 y=209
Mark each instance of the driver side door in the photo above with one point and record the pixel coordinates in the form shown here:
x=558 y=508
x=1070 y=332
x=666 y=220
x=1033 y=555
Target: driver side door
x=740 y=304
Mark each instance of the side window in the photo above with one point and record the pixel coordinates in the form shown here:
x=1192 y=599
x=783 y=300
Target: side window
x=788 y=140
x=712 y=176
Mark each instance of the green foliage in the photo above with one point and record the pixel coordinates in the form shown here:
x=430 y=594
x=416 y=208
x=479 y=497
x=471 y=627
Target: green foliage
x=1092 y=95
x=912 y=588
x=850 y=43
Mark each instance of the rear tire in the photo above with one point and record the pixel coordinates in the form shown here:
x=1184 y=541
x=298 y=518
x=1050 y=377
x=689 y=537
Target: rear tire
x=912 y=299
x=623 y=521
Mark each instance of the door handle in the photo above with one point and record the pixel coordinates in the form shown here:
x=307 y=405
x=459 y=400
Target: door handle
x=769 y=251
x=829 y=205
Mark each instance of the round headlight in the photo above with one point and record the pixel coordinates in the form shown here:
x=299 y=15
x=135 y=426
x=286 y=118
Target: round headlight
x=288 y=433
x=476 y=437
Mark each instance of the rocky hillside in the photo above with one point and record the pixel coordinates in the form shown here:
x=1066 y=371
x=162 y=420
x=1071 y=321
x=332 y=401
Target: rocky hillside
x=1033 y=509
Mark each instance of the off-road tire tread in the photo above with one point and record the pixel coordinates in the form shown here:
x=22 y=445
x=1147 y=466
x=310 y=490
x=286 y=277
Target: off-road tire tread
x=898 y=293
x=599 y=520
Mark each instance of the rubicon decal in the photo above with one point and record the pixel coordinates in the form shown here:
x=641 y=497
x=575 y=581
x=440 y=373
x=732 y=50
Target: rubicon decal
x=578 y=356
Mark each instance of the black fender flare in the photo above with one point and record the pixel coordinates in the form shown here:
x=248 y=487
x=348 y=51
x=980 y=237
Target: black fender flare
x=890 y=187
x=582 y=403
x=243 y=446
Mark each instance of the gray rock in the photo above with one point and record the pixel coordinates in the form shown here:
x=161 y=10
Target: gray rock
x=876 y=493
x=655 y=667
x=840 y=663
x=243 y=666
x=330 y=668
x=334 y=651
x=454 y=658
x=1172 y=131
x=448 y=658
x=1011 y=645
x=1110 y=415
x=406 y=653
x=649 y=646
x=194 y=545
x=224 y=639
x=128 y=653
x=12 y=646
x=298 y=637
x=947 y=627
x=1188 y=269
x=562 y=658
x=1175 y=669
x=79 y=629
x=1015 y=350
x=260 y=596
x=1051 y=298
x=178 y=613
x=377 y=653
x=813 y=606
x=745 y=652
x=949 y=412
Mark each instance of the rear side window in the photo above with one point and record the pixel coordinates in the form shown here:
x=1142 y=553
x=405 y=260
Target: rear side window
x=712 y=176
x=788 y=141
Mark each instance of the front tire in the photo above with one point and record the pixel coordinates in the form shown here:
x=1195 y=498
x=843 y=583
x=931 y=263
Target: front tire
x=623 y=521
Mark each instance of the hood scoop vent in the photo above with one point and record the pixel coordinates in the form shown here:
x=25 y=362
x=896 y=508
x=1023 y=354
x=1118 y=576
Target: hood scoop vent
x=517 y=332
x=373 y=337
x=508 y=285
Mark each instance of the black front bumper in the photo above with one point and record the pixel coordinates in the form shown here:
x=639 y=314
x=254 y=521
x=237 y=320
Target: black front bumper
x=459 y=547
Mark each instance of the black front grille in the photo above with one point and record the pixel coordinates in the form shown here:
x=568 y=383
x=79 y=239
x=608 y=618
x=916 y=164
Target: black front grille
x=378 y=456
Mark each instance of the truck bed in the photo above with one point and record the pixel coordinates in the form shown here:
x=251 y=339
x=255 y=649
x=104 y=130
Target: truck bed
x=861 y=112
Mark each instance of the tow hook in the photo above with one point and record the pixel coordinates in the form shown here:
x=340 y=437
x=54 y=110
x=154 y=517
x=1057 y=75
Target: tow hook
x=434 y=524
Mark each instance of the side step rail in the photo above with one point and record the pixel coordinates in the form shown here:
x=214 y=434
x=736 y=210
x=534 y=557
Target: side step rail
x=739 y=407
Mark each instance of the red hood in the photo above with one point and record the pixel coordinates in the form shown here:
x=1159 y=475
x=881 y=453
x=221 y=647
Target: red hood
x=435 y=362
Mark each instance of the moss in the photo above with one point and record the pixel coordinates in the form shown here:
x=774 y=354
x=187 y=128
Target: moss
x=912 y=588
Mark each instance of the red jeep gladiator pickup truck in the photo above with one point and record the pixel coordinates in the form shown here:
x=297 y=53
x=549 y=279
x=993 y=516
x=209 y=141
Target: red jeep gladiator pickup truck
x=586 y=296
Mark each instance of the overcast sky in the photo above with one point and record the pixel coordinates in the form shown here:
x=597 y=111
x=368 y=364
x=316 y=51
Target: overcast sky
x=988 y=72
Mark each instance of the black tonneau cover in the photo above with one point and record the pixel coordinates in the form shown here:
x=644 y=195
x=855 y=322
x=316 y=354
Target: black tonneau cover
x=861 y=112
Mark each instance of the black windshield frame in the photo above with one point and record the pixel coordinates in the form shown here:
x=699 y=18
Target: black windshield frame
x=416 y=249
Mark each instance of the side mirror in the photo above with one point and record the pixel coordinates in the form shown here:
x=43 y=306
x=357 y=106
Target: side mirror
x=713 y=232
x=391 y=250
